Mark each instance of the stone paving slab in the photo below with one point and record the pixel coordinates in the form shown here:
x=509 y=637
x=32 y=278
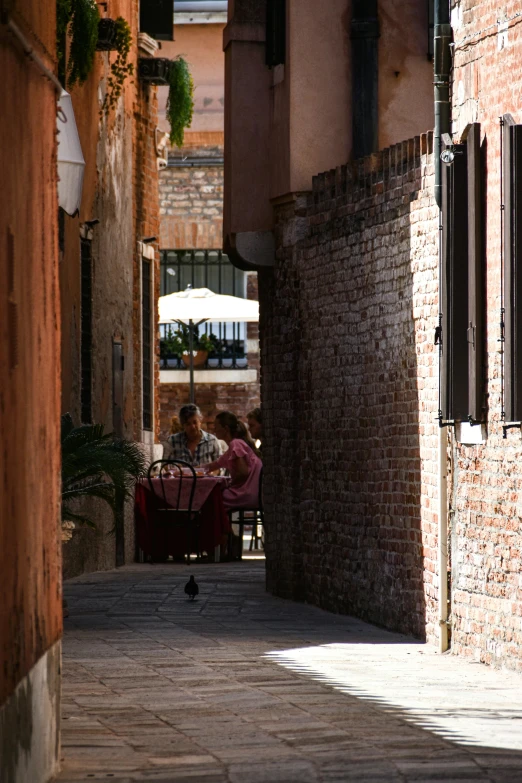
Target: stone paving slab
x=242 y=687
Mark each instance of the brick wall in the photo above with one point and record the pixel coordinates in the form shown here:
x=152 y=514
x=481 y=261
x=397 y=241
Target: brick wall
x=486 y=541
x=212 y=398
x=191 y=201
x=30 y=559
x=349 y=392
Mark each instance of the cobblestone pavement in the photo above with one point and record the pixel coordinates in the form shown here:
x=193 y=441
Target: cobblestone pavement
x=242 y=687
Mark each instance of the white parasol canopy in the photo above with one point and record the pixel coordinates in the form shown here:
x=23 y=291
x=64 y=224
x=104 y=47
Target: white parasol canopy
x=201 y=304
x=71 y=163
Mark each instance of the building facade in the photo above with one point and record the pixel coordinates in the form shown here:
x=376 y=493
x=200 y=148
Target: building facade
x=191 y=227
x=109 y=279
x=30 y=557
x=389 y=364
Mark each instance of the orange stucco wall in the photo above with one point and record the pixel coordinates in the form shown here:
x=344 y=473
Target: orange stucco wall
x=405 y=72
x=304 y=107
x=30 y=579
x=201 y=46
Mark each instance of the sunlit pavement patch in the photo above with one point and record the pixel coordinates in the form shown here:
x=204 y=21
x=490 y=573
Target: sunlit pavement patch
x=461 y=701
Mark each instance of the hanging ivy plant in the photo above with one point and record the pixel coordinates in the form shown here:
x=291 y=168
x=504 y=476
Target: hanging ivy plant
x=63 y=17
x=120 y=68
x=180 y=103
x=84 y=34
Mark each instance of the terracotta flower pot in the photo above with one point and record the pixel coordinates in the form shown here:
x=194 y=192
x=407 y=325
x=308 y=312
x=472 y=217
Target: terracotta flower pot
x=200 y=357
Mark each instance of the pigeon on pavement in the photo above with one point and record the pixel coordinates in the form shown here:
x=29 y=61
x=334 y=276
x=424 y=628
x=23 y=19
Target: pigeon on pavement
x=191 y=588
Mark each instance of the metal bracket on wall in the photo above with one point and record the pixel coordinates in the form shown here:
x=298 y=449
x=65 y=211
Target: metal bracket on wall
x=511 y=426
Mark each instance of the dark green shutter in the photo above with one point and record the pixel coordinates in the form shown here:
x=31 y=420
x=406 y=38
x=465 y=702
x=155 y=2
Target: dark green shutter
x=512 y=160
x=476 y=276
x=454 y=370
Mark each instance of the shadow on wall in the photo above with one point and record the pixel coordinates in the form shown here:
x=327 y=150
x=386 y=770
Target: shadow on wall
x=349 y=392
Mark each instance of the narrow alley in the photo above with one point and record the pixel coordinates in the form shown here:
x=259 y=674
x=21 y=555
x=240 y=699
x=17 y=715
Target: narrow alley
x=243 y=687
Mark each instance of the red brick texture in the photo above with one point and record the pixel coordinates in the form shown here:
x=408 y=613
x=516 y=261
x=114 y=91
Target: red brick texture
x=212 y=398
x=486 y=499
x=349 y=392
x=191 y=202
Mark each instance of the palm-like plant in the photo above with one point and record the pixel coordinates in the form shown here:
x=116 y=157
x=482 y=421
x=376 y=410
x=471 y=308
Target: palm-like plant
x=96 y=465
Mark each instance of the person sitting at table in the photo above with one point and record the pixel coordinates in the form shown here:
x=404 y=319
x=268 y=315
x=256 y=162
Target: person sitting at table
x=255 y=425
x=241 y=460
x=192 y=444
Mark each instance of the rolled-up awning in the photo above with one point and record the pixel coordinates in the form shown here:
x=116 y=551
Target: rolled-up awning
x=71 y=163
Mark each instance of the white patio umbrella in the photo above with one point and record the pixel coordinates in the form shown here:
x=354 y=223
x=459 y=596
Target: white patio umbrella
x=196 y=305
x=71 y=163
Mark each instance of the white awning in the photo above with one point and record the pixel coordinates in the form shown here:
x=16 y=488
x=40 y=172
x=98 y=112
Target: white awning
x=200 y=304
x=71 y=163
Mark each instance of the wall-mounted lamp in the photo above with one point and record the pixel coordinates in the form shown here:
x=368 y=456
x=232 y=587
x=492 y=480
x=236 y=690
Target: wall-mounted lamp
x=447 y=156
x=148 y=240
x=92 y=223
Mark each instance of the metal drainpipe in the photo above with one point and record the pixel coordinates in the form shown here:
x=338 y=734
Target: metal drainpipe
x=441 y=65
x=442 y=545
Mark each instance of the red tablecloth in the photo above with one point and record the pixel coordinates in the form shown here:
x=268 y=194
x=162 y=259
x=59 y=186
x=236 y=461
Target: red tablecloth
x=158 y=539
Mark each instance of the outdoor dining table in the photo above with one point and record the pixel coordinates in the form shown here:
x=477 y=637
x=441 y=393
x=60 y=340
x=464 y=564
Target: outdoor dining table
x=157 y=539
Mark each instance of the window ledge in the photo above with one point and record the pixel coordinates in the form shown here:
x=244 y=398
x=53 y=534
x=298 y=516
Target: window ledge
x=209 y=376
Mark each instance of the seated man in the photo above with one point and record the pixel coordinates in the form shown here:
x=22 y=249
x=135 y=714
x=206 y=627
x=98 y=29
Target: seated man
x=192 y=444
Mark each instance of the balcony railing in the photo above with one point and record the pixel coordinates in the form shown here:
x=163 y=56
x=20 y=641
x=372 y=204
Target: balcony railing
x=228 y=351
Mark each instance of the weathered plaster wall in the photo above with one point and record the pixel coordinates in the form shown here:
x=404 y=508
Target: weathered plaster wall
x=349 y=392
x=30 y=584
x=285 y=124
x=202 y=47
x=121 y=191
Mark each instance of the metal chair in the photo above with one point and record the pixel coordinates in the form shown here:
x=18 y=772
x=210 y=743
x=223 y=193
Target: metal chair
x=257 y=520
x=175 y=511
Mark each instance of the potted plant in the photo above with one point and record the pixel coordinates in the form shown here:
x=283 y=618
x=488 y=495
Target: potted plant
x=95 y=465
x=177 y=345
x=180 y=102
x=201 y=347
x=106 y=35
x=120 y=67
x=154 y=70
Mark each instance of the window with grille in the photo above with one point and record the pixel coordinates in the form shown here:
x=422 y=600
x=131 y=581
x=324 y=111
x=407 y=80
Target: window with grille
x=204 y=269
x=146 y=343
x=86 y=331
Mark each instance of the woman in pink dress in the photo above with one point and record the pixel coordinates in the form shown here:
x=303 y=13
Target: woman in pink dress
x=241 y=460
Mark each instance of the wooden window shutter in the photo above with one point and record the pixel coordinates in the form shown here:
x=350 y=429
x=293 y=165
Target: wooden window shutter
x=476 y=276
x=512 y=183
x=454 y=370
x=275 y=32
x=157 y=19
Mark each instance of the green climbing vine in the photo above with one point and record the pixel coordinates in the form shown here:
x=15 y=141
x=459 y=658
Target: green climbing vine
x=84 y=35
x=120 y=68
x=180 y=103
x=63 y=17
